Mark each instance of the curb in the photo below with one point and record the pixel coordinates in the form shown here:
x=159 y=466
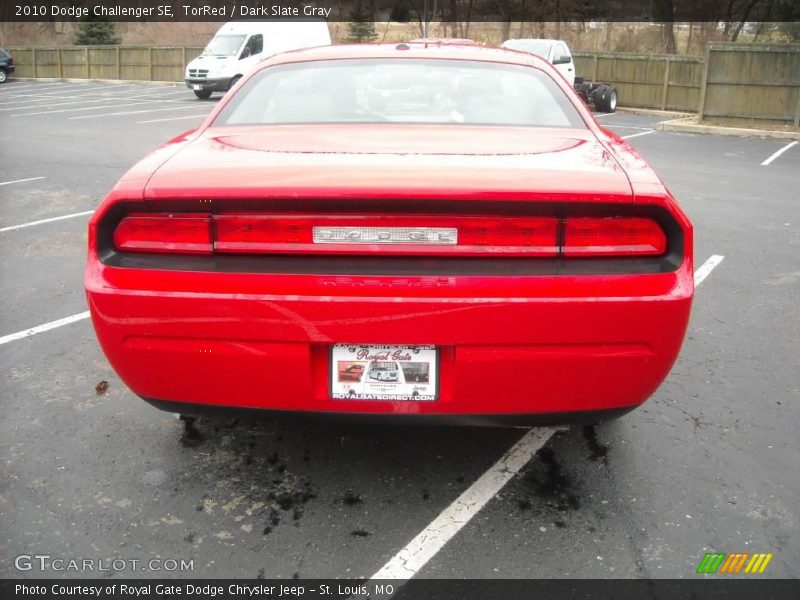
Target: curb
x=654 y=112
x=120 y=81
x=681 y=126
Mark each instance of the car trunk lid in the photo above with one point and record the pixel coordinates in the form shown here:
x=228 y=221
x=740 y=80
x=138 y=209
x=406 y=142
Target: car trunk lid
x=392 y=161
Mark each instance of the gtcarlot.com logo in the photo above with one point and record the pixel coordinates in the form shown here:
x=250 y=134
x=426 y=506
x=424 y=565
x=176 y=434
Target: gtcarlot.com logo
x=46 y=562
x=734 y=563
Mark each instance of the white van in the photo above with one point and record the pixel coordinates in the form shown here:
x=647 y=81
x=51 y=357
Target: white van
x=238 y=46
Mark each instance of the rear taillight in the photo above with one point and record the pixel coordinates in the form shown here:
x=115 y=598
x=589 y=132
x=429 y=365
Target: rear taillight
x=385 y=234
x=182 y=233
x=454 y=235
x=613 y=236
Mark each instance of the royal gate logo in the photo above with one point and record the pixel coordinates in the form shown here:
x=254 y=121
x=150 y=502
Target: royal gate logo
x=734 y=563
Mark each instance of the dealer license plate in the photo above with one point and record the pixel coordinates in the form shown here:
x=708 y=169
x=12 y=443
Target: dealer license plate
x=395 y=373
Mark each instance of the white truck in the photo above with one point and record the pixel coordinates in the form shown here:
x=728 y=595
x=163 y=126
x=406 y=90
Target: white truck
x=602 y=95
x=240 y=45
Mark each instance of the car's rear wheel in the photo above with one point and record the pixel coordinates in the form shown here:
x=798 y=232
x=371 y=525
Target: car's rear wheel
x=3 y=76
x=203 y=94
x=605 y=99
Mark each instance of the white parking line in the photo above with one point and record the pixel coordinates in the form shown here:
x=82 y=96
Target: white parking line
x=67 y=95
x=39 y=86
x=705 y=269
x=94 y=91
x=631 y=127
x=633 y=135
x=41 y=328
x=408 y=562
x=78 y=100
x=36 y=106
x=78 y=87
x=777 y=154
x=133 y=112
x=26 y=104
x=174 y=118
x=63 y=110
x=15 y=86
x=49 y=91
x=21 y=180
x=50 y=220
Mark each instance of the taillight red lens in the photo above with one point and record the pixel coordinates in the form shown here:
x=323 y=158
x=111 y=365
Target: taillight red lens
x=459 y=235
x=183 y=233
x=386 y=234
x=613 y=236
x=537 y=236
x=260 y=233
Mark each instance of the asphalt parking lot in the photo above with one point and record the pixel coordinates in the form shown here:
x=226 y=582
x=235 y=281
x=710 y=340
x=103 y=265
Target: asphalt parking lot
x=708 y=464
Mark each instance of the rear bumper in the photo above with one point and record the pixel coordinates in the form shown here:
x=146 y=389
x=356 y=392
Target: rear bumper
x=477 y=420
x=559 y=345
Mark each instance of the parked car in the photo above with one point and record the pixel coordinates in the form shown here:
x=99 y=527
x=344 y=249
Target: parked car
x=602 y=96
x=538 y=259
x=238 y=46
x=384 y=371
x=6 y=65
x=351 y=373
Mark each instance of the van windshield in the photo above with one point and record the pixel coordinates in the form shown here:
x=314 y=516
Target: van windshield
x=401 y=91
x=224 y=45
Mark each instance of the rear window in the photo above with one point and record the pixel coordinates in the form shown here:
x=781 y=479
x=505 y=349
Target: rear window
x=4 y=54
x=401 y=91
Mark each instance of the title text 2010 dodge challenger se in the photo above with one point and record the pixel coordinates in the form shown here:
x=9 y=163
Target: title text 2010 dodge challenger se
x=448 y=222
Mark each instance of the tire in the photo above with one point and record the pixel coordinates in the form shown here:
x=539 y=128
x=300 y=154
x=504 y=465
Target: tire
x=233 y=81
x=605 y=99
x=203 y=94
x=3 y=76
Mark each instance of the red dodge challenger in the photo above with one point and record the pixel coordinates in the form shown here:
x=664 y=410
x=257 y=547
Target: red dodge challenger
x=455 y=208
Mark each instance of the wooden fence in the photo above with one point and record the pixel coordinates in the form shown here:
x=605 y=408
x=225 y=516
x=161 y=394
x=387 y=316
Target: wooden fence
x=664 y=82
x=735 y=81
x=752 y=83
x=141 y=63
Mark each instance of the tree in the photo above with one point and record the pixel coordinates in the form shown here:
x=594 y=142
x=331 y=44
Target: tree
x=361 y=27
x=96 y=31
x=665 y=13
x=401 y=13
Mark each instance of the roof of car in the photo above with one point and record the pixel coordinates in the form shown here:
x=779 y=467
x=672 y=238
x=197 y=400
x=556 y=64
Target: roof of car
x=547 y=40
x=407 y=50
x=452 y=41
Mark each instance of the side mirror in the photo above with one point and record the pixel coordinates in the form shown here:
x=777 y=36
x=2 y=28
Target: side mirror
x=245 y=53
x=562 y=60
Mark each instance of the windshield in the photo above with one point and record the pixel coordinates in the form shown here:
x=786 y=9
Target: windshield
x=402 y=91
x=540 y=48
x=224 y=45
